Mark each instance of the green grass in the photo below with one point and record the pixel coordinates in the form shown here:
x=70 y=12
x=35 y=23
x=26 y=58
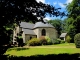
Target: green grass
x=64 y=45
x=44 y=50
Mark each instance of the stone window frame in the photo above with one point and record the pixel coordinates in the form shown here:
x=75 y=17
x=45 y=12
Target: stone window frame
x=43 y=32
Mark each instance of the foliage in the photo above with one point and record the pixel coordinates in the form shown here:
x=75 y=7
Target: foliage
x=64 y=25
x=43 y=55
x=68 y=39
x=77 y=40
x=34 y=42
x=43 y=40
x=48 y=40
x=20 y=41
x=70 y=28
x=73 y=18
x=58 y=41
x=73 y=8
x=5 y=36
x=15 y=11
x=62 y=41
x=57 y=24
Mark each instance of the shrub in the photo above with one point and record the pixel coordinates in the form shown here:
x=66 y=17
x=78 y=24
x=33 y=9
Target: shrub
x=57 y=41
x=48 y=40
x=43 y=41
x=77 y=40
x=62 y=41
x=20 y=41
x=68 y=39
x=34 y=42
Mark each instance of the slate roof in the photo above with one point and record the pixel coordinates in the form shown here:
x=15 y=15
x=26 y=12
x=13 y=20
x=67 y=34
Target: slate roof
x=63 y=34
x=26 y=25
x=41 y=24
x=27 y=28
x=28 y=31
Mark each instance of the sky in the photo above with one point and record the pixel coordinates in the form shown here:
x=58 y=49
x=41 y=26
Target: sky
x=56 y=4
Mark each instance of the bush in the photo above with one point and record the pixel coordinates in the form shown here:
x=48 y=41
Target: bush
x=57 y=41
x=34 y=42
x=43 y=41
x=62 y=41
x=48 y=40
x=68 y=39
x=20 y=41
x=77 y=40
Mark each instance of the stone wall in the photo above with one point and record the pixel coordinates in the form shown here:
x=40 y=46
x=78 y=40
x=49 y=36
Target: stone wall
x=50 y=32
x=27 y=37
x=36 y=32
x=16 y=30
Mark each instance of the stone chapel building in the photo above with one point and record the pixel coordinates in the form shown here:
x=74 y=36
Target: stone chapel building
x=35 y=31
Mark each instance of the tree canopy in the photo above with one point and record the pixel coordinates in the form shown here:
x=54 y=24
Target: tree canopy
x=73 y=20
x=16 y=10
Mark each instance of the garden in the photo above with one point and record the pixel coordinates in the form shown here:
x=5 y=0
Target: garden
x=57 y=51
x=44 y=49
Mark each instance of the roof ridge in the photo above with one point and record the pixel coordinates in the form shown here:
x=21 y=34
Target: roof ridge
x=41 y=24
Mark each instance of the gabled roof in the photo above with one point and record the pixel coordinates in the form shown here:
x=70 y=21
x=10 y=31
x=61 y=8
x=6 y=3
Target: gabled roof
x=41 y=24
x=28 y=31
x=63 y=34
x=26 y=25
x=36 y=25
x=27 y=28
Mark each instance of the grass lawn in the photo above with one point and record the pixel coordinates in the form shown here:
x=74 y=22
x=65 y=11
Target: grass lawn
x=43 y=50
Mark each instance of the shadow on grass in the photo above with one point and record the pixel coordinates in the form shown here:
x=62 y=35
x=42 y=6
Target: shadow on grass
x=44 y=57
x=17 y=49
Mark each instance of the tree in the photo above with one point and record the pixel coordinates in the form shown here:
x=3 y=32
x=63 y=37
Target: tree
x=73 y=18
x=15 y=11
x=64 y=25
x=77 y=40
x=57 y=24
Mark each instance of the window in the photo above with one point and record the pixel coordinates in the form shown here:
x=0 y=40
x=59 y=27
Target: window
x=43 y=32
x=30 y=37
